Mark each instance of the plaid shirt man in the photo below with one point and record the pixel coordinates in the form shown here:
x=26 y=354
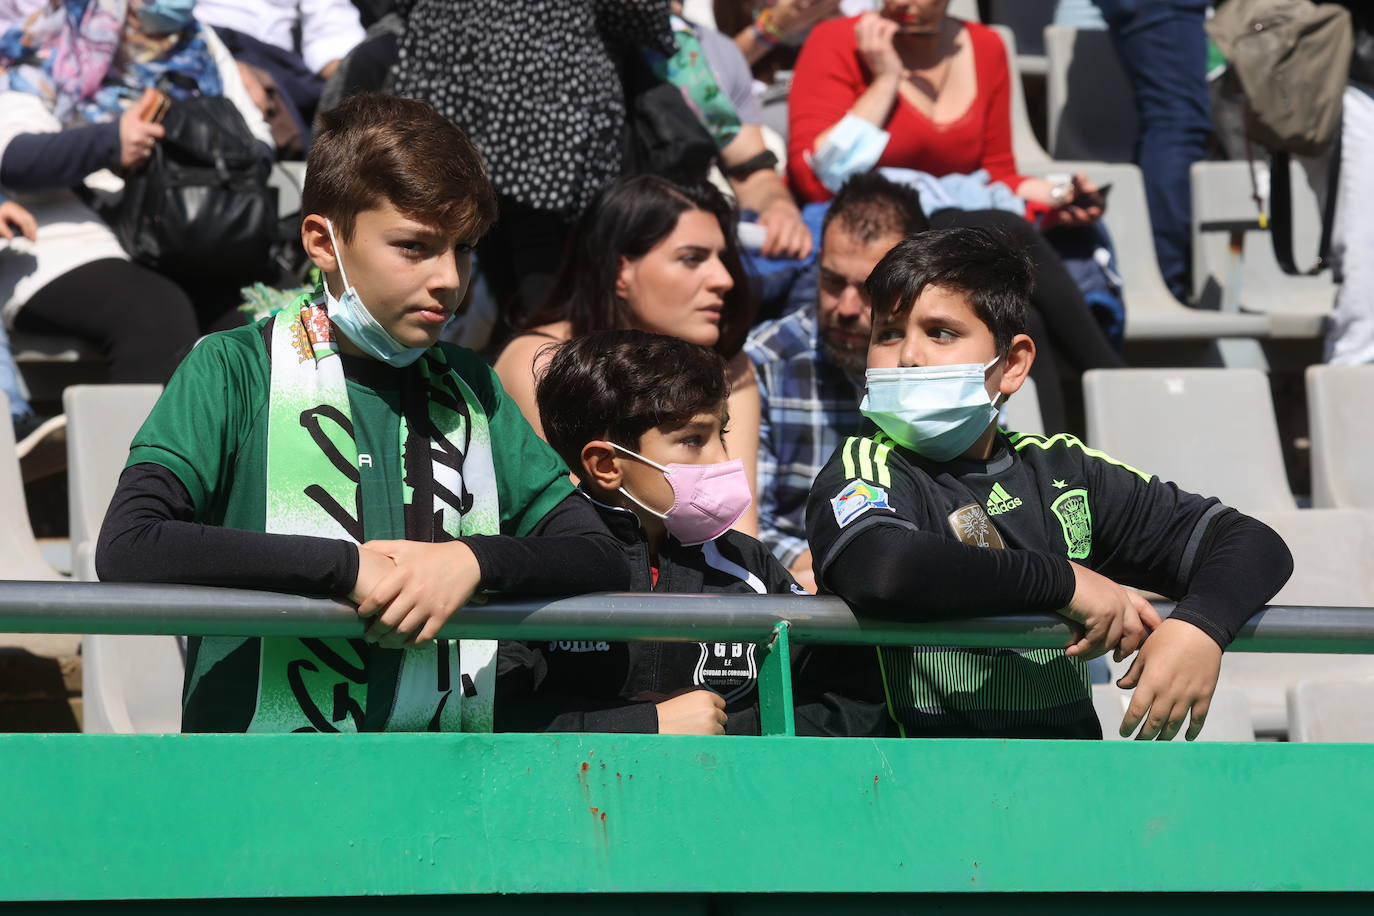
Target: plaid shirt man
x=809 y=406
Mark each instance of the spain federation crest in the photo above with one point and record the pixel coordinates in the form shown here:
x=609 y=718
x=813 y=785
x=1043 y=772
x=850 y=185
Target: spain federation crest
x=1076 y=520
x=857 y=498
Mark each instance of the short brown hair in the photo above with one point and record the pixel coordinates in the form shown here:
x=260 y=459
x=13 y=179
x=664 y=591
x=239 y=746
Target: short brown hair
x=376 y=147
x=618 y=385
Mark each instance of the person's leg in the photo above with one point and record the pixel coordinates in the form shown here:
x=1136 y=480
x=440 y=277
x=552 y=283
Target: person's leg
x=1163 y=50
x=142 y=321
x=1350 y=338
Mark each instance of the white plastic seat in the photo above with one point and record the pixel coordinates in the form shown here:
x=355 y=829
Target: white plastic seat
x=1331 y=711
x=1249 y=279
x=1342 y=436
x=20 y=557
x=1152 y=313
x=1228 y=716
x=1025 y=145
x=1211 y=431
x=1091 y=107
x=129 y=683
x=1022 y=413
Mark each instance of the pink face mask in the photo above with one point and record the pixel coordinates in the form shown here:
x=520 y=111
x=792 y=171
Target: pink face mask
x=707 y=498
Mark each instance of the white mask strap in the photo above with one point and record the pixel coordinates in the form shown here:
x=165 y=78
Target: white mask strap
x=338 y=254
x=641 y=458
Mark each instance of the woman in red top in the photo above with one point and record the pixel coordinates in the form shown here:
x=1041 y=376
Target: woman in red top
x=913 y=88
x=938 y=86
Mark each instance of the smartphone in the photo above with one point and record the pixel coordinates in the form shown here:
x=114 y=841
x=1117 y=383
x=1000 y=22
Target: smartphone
x=1096 y=198
x=153 y=105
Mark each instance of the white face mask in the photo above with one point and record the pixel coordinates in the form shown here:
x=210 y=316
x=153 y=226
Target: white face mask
x=936 y=411
x=352 y=318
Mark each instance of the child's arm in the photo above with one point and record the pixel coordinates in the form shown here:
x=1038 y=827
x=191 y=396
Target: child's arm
x=569 y=552
x=1220 y=565
x=877 y=544
x=1241 y=565
x=149 y=536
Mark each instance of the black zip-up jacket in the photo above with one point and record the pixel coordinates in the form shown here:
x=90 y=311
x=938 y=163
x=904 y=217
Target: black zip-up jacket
x=593 y=686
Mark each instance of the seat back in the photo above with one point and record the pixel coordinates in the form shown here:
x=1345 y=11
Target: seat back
x=1091 y=107
x=1331 y=711
x=1025 y=145
x=1152 y=313
x=1248 y=277
x=129 y=683
x=20 y=557
x=1342 y=435
x=1022 y=413
x=101 y=422
x=1211 y=431
x=1331 y=550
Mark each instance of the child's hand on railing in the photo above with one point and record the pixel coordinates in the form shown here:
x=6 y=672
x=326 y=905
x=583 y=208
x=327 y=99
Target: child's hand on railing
x=697 y=712
x=412 y=602
x=1176 y=671
x=1109 y=617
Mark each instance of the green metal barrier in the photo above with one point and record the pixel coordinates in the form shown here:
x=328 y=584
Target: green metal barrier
x=690 y=824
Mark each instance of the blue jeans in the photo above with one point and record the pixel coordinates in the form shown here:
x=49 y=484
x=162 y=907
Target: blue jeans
x=9 y=379
x=1163 y=50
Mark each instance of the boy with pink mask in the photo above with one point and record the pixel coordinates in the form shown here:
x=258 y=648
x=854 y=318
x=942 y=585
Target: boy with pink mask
x=641 y=418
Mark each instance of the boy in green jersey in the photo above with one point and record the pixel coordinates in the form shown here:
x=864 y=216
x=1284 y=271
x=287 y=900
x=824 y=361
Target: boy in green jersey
x=338 y=447
x=934 y=513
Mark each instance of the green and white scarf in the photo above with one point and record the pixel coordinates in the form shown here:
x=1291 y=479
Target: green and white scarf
x=449 y=490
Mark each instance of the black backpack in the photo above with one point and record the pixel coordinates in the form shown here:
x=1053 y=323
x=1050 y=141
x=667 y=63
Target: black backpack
x=662 y=134
x=201 y=208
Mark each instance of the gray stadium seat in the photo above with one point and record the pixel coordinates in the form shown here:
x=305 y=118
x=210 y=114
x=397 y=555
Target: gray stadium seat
x=1331 y=711
x=1249 y=278
x=129 y=683
x=1091 y=108
x=1228 y=717
x=1152 y=313
x=1211 y=431
x=966 y=10
x=1026 y=19
x=1022 y=412
x=1342 y=435
x=20 y=557
x=1025 y=145
x=101 y=422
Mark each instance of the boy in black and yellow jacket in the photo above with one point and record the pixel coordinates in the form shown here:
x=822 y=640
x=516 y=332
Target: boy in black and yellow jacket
x=936 y=514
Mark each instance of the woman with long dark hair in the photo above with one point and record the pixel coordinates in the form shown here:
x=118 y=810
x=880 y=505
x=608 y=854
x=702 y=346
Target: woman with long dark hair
x=658 y=256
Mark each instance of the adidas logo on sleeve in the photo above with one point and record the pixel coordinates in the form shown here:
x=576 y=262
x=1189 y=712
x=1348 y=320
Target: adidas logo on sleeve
x=1001 y=501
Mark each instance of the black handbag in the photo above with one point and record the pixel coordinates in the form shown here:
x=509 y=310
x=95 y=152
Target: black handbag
x=662 y=134
x=201 y=208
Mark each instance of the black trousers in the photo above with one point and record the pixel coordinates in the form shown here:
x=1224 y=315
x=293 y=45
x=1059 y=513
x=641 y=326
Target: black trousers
x=142 y=321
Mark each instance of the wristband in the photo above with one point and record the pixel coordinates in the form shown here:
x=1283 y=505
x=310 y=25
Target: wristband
x=766 y=27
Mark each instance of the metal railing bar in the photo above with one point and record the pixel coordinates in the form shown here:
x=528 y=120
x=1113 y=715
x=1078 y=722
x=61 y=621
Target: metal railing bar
x=121 y=608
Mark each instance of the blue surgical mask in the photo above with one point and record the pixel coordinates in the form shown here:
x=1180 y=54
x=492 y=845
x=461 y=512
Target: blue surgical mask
x=357 y=324
x=854 y=146
x=163 y=17
x=936 y=411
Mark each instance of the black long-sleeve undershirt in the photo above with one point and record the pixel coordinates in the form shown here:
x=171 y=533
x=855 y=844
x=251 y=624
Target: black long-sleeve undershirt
x=149 y=536
x=885 y=566
x=1240 y=564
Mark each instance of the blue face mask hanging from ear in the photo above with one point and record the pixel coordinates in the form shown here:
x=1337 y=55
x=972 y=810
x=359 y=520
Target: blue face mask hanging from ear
x=357 y=324
x=163 y=17
x=936 y=411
